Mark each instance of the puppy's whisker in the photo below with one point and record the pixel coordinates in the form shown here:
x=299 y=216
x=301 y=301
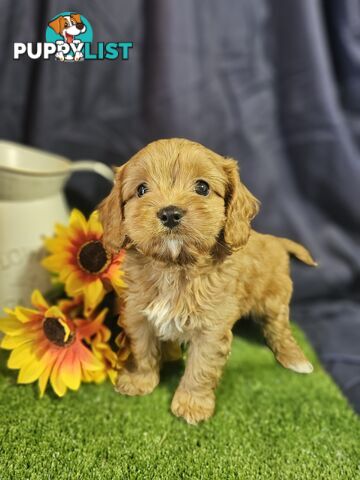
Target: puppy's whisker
x=198 y=236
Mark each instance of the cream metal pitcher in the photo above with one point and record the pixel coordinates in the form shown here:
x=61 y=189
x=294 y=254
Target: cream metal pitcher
x=31 y=202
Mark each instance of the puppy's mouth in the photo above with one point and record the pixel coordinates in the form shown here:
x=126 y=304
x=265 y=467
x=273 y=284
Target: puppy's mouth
x=69 y=38
x=175 y=232
x=170 y=249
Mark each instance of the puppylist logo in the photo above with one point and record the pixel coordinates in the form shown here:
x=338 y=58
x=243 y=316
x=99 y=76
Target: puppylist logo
x=69 y=38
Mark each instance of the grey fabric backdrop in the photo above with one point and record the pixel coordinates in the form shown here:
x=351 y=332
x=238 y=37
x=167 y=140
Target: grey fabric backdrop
x=274 y=84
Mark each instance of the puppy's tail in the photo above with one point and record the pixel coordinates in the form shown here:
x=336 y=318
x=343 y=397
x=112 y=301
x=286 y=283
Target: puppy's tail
x=298 y=251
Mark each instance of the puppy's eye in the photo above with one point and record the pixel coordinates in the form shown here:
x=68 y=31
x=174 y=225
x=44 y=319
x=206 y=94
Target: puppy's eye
x=142 y=189
x=202 y=188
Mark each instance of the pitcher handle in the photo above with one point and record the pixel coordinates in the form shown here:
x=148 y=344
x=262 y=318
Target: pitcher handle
x=92 y=166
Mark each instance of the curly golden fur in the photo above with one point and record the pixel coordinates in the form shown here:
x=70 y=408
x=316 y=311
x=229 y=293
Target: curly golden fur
x=191 y=283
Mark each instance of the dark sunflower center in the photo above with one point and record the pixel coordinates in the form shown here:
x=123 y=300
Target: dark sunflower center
x=55 y=332
x=92 y=257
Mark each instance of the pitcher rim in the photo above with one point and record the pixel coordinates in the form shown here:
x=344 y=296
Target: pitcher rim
x=28 y=172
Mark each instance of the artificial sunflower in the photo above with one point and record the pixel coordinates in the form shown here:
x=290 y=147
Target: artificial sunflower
x=108 y=358
x=48 y=343
x=123 y=353
x=81 y=261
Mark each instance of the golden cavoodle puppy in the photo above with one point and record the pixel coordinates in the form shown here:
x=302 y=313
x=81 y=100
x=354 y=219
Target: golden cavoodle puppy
x=193 y=267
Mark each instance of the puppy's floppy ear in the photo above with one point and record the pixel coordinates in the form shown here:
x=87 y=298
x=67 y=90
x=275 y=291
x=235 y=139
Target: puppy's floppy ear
x=76 y=17
x=57 y=25
x=240 y=207
x=111 y=213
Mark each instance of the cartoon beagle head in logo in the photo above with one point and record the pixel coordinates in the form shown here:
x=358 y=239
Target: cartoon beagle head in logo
x=68 y=26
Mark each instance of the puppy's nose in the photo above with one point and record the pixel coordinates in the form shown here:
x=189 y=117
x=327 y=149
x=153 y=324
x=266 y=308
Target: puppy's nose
x=170 y=216
x=80 y=26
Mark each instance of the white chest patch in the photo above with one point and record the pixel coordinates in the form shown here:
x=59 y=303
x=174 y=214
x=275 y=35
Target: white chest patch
x=168 y=312
x=166 y=326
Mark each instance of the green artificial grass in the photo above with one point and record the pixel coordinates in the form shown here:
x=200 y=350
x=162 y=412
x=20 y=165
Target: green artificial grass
x=269 y=424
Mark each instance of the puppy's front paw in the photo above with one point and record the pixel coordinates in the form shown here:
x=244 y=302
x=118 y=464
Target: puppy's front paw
x=296 y=361
x=193 y=408
x=136 y=383
x=60 y=56
x=78 y=56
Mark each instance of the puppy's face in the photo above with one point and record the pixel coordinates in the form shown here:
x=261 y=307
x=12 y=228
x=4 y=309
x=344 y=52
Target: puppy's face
x=68 y=26
x=176 y=200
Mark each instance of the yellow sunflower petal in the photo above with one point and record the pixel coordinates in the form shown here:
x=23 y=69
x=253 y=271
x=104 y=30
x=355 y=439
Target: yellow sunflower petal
x=56 y=244
x=25 y=314
x=86 y=376
x=74 y=284
x=77 y=220
x=66 y=329
x=60 y=229
x=43 y=379
x=112 y=375
x=31 y=372
x=66 y=270
x=21 y=355
x=38 y=300
x=94 y=224
x=100 y=318
x=103 y=334
x=55 y=380
x=118 y=285
x=89 y=328
x=9 y=343
x=106 y=334
x=89 y=362
x=94 y=293
x=58 y=385
x=54 y=312
x=70 y=373
x=12 y=326
x=118 y=280
x=55 y=263
x=98 y=377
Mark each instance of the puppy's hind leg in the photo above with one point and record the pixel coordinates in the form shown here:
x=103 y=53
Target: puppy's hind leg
x=277 y=332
